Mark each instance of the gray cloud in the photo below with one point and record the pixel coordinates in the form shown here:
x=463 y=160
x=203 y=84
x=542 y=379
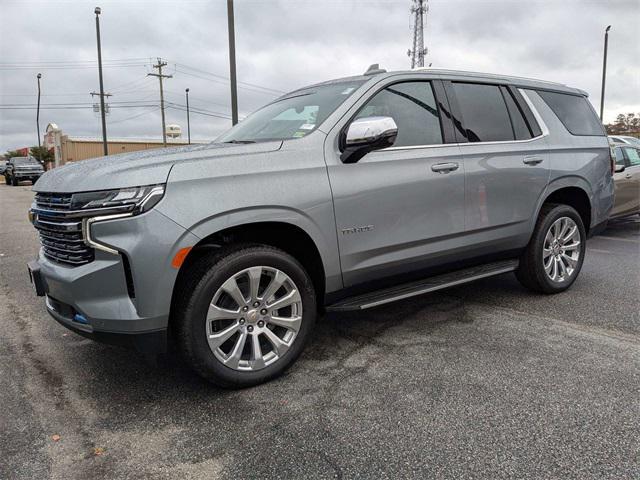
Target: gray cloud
x=286 y=44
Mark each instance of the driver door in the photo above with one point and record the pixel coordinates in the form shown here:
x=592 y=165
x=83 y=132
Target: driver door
x=398 y=208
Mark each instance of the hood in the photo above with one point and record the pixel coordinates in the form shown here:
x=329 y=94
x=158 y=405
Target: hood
x=146 y=167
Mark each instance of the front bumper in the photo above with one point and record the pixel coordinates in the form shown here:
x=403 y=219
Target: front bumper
x=122 y=298
x=26 y=175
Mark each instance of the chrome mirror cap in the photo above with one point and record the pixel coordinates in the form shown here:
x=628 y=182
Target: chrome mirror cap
x=369 y=130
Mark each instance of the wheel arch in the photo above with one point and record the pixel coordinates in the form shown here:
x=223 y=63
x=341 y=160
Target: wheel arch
x=572 y=191
x=291 y=238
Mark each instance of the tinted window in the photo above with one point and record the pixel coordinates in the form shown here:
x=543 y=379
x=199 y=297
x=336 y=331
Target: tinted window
x=520 y=127
x=412 y=106
x=574 y=112
x=633 y=155
x=619 y=156
x=484 y=113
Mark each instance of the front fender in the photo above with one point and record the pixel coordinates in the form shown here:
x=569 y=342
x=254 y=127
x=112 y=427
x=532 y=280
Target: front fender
x=324 y=240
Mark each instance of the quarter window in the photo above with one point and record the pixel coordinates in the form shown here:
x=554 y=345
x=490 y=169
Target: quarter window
x=574 y=112
x=412 y=106
x=520 y=128
x=484 y=113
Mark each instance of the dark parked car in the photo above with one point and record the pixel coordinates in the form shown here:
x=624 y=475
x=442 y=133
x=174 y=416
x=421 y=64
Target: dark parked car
x=22 y=168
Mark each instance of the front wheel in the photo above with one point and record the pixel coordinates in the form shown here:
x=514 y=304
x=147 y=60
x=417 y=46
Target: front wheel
x=243 y=315
x=553 y=259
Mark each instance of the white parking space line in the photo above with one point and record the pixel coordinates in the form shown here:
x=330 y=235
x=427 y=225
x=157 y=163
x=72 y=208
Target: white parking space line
x=619 y=239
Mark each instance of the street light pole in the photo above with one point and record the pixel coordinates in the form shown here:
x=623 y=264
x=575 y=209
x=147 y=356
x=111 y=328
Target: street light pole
x=102 y=112
x=186 y=91
x=232 y=63
x=39 y=76
x=604 y=70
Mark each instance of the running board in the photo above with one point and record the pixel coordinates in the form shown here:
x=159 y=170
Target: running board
x=431 y=284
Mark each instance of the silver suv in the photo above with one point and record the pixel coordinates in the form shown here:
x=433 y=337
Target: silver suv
x=340 y=196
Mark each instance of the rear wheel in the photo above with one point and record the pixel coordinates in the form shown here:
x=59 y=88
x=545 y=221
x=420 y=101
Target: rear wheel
x=244 y=315
x=553 y=259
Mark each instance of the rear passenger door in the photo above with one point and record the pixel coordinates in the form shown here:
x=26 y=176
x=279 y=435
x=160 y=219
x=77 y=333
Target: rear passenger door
x=505 y=158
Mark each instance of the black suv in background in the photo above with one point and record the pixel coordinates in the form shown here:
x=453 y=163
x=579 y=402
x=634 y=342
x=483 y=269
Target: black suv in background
x=19 y=169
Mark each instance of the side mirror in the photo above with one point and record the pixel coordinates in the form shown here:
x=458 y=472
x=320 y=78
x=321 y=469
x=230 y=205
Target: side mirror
x=619 y=168
x=367 y=134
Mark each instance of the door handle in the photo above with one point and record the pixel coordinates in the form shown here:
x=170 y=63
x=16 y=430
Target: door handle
x=444 y=167
x=532 y=160
x=628 y=175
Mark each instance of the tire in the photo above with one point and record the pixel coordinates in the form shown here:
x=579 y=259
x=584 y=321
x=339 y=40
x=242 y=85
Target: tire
x=536 y=270
x=14 y=181
x=204 y=287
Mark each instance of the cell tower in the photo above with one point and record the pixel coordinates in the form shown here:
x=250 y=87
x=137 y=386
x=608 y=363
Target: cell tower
x=419 y=11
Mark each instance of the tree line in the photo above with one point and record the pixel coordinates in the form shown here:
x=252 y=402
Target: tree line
x=625 y=124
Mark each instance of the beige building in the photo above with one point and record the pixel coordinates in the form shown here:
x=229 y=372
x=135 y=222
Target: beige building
x=72 y=149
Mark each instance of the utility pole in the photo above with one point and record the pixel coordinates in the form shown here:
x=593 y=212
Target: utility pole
x=39 y=76
x=160 y=76
x=186 y=92
x=604 y=70
x=419 y=10
x=97 y=11
x=232 y=63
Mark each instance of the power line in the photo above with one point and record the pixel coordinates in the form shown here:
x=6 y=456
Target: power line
x=155 y=109
x=226 y=117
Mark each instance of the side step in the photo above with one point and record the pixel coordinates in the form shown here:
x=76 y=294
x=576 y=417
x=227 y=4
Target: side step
x=431 y=284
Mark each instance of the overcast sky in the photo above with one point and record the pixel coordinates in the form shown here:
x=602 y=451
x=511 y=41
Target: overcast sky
x=282 y=45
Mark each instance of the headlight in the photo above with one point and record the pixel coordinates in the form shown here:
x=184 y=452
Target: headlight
x=134 y=199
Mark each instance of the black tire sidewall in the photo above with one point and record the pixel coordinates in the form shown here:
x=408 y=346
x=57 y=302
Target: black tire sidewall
x=548 y=285
x=202 y=357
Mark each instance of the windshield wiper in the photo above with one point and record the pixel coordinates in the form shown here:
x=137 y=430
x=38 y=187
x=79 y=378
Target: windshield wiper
x=240 y=141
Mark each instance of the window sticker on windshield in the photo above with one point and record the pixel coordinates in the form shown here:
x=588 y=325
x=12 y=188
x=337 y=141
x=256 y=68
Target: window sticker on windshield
x=347 y=91
x=299 y=134
x=307 y=126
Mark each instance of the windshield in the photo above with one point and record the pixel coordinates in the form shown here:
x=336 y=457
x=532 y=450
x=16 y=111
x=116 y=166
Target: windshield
x=632 y=140
x=23 y=160
x=292 y=116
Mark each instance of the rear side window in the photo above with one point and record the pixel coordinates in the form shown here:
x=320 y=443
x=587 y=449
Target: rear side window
x=484 y=113
x=574 y=112
x=412 y=106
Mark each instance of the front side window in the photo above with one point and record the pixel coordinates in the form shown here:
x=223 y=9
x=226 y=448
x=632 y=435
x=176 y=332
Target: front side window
x=619 y=156
x=633 y=154
x=292 y=116
x=412 y=106
x=574 y=112
x=484 y=113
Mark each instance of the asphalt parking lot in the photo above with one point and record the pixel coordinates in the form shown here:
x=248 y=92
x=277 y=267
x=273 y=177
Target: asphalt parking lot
x=483 y=381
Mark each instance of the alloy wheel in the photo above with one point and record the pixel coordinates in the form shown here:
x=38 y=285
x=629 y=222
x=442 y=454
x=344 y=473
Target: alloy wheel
x=561 y=249
x=254 y=318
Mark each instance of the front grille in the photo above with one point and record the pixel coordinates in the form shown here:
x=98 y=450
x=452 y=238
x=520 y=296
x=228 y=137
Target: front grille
x=61 y=236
